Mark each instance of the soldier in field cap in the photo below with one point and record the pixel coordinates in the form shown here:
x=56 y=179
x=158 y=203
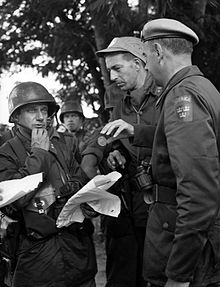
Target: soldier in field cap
x=182 y=244
x=131 y=45
x=134 y=112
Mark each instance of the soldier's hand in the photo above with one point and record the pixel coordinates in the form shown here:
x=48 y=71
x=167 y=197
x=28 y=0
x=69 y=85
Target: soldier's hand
x=88 y=211
x=116 y=159
x=40 y=139
x=172 y=283
x=118 y=126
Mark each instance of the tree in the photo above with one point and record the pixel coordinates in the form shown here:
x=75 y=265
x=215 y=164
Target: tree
x=56 y=36
x=203 y=16
x=62 y=36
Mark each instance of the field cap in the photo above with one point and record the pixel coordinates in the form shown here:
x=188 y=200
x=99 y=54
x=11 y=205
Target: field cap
x=168 y=28
x=131 y=45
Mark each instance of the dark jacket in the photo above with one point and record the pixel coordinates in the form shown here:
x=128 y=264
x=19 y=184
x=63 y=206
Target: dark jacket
x=82 y=136
x=184 y=237
x=48 y=256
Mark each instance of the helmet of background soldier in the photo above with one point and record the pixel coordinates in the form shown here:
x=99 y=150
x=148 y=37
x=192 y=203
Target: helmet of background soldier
x=113 y=94
x=71 y=107
x=30 y=93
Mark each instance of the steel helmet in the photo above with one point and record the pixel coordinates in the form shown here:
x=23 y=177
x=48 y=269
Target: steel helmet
x=113 y=95
x=30 y=93
x=71 y=107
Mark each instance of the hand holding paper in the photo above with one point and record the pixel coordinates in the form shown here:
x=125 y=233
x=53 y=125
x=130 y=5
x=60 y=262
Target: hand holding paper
x=12 y=190
x=95 y=194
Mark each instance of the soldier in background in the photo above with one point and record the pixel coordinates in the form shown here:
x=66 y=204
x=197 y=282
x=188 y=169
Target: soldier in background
x=73 y=119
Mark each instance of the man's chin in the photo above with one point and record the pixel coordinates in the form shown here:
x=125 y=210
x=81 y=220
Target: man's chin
x=38 y=126
x=122 y=87
x=71 y=129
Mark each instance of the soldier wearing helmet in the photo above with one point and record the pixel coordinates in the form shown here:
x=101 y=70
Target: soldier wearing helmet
x=73 y=119
x=65 y=256
x=30 y=93
x=72 y=116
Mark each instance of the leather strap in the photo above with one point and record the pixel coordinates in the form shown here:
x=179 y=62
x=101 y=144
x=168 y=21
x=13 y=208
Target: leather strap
x=164 y=194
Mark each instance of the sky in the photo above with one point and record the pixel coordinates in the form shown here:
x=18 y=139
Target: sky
x=8 y=81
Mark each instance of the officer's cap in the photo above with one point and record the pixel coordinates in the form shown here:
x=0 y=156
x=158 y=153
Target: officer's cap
x=131 y=45
x=168 y=28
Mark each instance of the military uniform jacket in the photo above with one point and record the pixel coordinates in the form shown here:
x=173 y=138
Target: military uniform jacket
x=186 y=158
x=144 y=121
x=47 y=256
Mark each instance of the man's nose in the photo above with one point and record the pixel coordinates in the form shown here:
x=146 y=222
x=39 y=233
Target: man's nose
x=113 y=75
x=40 y=115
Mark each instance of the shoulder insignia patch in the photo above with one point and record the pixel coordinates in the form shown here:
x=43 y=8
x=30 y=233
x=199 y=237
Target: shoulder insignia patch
x=183 y=108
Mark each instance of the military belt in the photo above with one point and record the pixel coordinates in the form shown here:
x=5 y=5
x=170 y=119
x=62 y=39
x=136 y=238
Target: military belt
x=164 y=194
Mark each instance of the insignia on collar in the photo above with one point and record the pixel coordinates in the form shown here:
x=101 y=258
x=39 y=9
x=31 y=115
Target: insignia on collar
x=183 y=107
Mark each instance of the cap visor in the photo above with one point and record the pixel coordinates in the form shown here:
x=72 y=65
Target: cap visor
x=111 y=50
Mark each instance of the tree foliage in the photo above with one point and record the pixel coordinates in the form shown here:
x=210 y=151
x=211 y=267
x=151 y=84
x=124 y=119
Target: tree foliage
x=62 y=36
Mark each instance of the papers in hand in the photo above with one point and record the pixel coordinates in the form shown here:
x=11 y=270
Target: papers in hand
x=12 y=190
x=93 y=193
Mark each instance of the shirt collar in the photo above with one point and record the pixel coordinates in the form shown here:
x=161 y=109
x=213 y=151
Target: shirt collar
x=178 y=77
x=181 y=74
x=53 y=133
x=149 y=87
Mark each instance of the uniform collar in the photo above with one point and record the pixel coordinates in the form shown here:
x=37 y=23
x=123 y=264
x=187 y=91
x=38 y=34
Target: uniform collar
x=149 y=87
x=79 y=133
x=178 y=77
x=185 y=72
x=53 y=133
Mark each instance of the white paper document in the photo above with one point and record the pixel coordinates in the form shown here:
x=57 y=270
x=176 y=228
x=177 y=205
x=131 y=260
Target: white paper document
x=12 y=190
x=95 y=194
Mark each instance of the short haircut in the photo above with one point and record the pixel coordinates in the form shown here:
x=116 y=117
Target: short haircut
x=175 y=45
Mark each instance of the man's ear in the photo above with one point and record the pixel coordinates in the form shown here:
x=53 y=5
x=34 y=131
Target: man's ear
x=16 y=116
x=159 y=51
x=138 y=63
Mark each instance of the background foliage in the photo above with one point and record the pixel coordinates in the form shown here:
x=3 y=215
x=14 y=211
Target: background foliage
x=62 y=36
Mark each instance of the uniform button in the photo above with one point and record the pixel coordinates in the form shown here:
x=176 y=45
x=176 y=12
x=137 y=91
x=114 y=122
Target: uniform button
x=165 y=225
x=140 y=113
